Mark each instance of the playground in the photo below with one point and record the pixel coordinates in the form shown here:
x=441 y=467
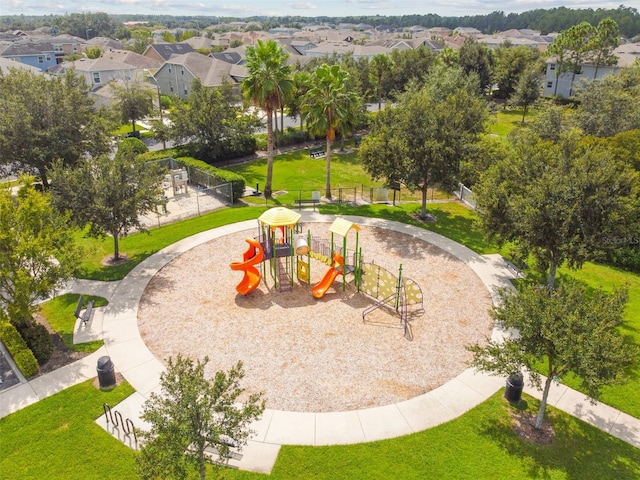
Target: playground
x=318 y=354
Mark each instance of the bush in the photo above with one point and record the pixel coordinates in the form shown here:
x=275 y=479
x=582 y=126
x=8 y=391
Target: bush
x=131 y=146
x=291 y=136
x=225 y=176
x=18 y=349
x=39 y=341
x=627 y=258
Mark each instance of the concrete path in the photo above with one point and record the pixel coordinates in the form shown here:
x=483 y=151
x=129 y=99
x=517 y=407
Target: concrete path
x=117 y=324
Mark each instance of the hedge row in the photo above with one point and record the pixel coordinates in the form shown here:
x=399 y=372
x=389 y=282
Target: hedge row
x=18 y=349
x=225 y=176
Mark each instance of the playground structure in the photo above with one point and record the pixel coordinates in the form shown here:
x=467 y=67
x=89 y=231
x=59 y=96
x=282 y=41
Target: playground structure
x=282 y=249
x=392 y=293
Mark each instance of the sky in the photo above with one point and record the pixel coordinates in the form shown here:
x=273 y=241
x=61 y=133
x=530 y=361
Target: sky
x=306 y=8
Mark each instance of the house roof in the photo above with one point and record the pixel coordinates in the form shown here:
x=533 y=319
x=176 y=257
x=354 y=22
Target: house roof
x=199 y=42
x=101 y=64
x=212 y=72
x=167 y=50
x=227 y=56
x=131 y=58
x=18 y=49
x=6 y=64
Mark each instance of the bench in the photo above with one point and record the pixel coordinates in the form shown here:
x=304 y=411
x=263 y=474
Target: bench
x=307 y=201
x=517 y=264
x=86 y=316
x=316 y=152
x=314 y=200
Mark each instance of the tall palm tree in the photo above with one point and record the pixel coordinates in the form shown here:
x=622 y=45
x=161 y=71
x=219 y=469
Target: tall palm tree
x=267 y=86
x=327 y=105
x=380 y=64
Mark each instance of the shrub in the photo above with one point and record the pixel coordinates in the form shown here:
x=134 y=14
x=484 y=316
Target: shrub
x=225 y=176
x=39 y=342
x=627 y=257
x=26 y=362
x=291 y=136
x=18 y=349
x=131 y=146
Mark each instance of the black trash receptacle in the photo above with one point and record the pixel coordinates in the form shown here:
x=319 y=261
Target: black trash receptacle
x=106 y=372
x=513 y=390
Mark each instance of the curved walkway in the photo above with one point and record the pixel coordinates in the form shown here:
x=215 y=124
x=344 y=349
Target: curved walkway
x=118 y=325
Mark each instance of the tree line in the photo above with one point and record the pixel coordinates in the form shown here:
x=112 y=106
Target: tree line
x=542 y=20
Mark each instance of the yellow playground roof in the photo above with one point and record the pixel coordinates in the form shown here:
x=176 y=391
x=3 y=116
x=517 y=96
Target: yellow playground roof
x=341 y=227
x=279 y=216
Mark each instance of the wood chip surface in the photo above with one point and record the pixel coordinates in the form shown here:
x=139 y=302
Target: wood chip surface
x=317 y=355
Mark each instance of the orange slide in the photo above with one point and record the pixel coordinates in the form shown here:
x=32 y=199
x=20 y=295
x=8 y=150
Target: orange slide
x=252 y=276
x=321 y=288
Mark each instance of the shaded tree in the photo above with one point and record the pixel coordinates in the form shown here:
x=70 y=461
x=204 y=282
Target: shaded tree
x=213 y=123
x=558 y=199
x=328 y=107
x=134 y=103
x=193 y=414
x=108 y=195
x=37 y=250
x=476 y=58
x=605 y=40
x=572 y=48
x=510 y=63
x=380 y=64
x=43 y=119
x=610 y=105
x=566 y=330
x=407 y=66
x=527 y=90
x=421 y=141
x=268 y=85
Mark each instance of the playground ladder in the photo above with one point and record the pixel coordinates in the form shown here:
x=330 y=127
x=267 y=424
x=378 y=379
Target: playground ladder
x=284 y=280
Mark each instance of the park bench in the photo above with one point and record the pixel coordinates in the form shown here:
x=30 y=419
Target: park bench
x=86 y=316
x=517 y=264
x=314 y=200
x=316 y=152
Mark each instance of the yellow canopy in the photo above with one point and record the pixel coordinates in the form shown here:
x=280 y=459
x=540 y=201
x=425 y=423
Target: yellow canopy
x=341 y=227
x=279 y=216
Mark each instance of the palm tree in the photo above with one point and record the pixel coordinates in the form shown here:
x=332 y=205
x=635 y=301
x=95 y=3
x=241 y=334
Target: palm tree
x=267 y=86
x=327 y=105
x=380 y=64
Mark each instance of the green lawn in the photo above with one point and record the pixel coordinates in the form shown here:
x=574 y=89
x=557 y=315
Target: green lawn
x=58 y=438
x=506 y=120
x=141 y=245
x=298 y=175
x=623 y=397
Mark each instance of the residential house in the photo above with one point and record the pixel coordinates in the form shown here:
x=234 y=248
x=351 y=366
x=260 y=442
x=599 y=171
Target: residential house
x=176 y=76
x=162 y=52
x=101 y=71
x=40 y=55
x=140 y=62
x=566 y=82
x=343 y=48
x=6 y=65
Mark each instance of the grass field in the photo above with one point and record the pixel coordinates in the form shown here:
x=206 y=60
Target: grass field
x=58 y=438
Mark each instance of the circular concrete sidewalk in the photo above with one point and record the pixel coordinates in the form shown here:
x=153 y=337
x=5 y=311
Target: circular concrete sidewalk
x=142 y=370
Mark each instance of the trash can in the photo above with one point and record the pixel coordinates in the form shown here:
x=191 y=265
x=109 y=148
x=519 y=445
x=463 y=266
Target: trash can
x=106 y=372
x=513 y=390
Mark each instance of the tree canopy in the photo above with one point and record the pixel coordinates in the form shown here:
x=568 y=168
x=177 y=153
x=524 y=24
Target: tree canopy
x=558 y=197
x=329 y=106
x=213 y=123
x=37 y=250
x=108 y=195
x=193 y=414
x=44 y=119
x=421 y=141
x=268 y=86
x=565 y=330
